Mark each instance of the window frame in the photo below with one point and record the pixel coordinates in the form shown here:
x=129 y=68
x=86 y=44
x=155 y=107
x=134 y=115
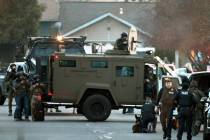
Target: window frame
x=98 y=66
x=130 y=72
x=74 y=65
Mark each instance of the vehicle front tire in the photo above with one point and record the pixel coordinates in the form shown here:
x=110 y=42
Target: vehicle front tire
x=37 y=110
x=97 y=108
x=2 y=97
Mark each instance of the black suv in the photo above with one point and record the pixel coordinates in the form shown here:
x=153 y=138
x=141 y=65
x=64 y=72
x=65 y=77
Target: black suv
x=203 y=79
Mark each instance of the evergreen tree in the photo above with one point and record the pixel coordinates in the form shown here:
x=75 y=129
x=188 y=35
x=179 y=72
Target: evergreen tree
x=19 y=19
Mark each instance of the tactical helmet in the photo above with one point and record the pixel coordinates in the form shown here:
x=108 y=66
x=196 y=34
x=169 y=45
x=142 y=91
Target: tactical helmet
x=185 y=85
x=124 y=34
x=12 y=65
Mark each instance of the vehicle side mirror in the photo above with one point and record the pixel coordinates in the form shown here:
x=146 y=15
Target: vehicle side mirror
x=203 y=99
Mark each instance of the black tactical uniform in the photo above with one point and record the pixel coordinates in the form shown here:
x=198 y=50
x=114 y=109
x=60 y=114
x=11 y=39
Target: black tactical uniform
x=122 y=43
x=148 y=115
x=186 y=103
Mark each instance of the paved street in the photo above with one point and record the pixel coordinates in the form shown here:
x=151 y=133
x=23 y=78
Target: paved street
x=63 y=126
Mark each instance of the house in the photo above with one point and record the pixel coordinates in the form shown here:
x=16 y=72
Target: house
x=99 y=21
x=49 y=22
x=106 y=28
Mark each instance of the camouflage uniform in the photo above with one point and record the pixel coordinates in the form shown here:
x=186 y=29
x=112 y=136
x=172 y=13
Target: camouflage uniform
x=9 y=79
x=198 y=111
x=37 y=90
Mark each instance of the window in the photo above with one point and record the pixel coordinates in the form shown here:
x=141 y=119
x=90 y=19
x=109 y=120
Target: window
x=124 y=71
x=44 y=49
x=67 y=63
x=99 y=64
x=74 y=48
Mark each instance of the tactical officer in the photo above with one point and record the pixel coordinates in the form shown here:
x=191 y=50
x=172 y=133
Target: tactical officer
x=186 y=103
x=22 y=97
x=36 y=89
x=165 y=100
x=148 y=114
x=198 y=111
x=9 y=79
x=122 y=42
x=149 y=82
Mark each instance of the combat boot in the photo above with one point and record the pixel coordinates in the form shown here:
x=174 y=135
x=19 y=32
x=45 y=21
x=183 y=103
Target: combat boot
x=164 y=134
x=10 y=113
x=27 y=119
x=18 y=119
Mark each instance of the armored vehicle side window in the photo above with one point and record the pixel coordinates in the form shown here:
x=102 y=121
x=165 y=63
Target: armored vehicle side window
x=99 y=64
x=124 y=71
x=67 y=63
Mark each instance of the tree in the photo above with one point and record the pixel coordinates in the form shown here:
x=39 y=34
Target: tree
x=183 y=24
x=19 y=19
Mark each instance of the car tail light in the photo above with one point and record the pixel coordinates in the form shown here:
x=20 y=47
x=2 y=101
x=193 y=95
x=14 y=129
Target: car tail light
x=54 y=57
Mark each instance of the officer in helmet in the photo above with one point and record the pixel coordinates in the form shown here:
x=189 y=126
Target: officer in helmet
x=186 y=103
x=148 y=114
x=122 y=42
x=22 y=97
x=9 y=79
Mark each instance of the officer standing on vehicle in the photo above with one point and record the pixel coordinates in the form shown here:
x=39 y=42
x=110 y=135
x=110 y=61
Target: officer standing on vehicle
x=122 y=42
x=22 y=97
x=186 y=103
x=148 y=114
x=10 y=77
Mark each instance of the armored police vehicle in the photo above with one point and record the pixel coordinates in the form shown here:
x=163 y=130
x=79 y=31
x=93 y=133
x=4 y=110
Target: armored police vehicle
x=96 y=84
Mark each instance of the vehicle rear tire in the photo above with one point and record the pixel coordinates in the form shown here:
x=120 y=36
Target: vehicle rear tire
x=97 y=108
x=37 y=110
x=206 y=136
x=2 y=97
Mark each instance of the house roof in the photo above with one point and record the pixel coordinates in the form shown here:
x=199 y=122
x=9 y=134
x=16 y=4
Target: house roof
x=75 y=15
x=101 y=18
x=51 y=12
